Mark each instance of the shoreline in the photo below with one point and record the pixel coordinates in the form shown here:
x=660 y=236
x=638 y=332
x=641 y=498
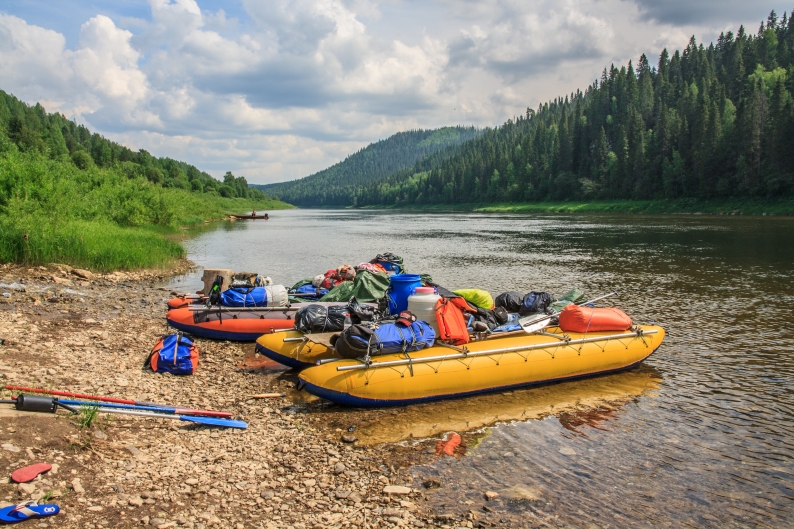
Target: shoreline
x=288 y=469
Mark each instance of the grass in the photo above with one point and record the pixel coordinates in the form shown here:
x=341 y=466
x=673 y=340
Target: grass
x=87 y=415
x=749 y=206
x=98 y=218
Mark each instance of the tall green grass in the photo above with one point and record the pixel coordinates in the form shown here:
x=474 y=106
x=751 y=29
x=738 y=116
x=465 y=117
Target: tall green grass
x=51 y=211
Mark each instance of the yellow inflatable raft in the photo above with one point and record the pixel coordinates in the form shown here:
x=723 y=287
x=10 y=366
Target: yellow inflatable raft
x=494 y=364
x=295 y=349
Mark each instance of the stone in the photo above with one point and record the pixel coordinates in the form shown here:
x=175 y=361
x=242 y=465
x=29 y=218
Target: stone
x=95 y=508
x=134 y=451
x=567 y=451
x=267 y=494
x=135 y=501
x=341 y=494
x=77 y=486
x=9 y=447
x=396 y=489
x=349 y=438
x=192 y=481
x=490 y=495
x=99 y=434
x=83 y=274
x=156 y=522
x=431 y=483
x=61 y=280
x=339 y=468
x=27 y=488
x=310 y=482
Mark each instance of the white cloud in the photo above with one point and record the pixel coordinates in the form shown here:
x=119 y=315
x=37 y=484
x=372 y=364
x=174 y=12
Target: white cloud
x=284 y=88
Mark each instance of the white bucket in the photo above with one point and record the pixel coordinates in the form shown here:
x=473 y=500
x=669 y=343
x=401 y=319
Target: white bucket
x=422 y=303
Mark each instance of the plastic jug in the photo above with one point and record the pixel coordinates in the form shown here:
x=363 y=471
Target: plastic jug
x=423 y=305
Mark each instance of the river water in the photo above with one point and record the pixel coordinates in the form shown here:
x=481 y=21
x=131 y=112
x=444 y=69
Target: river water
x=700 y=435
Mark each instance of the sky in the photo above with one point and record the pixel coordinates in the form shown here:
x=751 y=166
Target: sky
x=275 y=90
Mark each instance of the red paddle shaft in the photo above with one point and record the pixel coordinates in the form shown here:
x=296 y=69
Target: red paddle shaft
x=182 y=411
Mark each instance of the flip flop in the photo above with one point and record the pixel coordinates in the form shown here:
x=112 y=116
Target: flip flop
x=29 y=473
x=26 y=511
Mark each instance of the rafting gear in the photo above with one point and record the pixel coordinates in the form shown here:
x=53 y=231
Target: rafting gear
x=251 y=296
x=535 y=302
x=477 y=297
x=361 y=341
x=400 y=287
x=175 y=354
x=575 y=318
x=511 y=301
x=452 y=326
x=320 y=318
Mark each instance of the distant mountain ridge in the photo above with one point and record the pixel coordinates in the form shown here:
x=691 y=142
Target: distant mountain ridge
x=334 y=186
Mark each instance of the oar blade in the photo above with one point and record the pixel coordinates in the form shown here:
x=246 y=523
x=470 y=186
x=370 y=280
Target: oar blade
x=212 y=421
x=532 y=325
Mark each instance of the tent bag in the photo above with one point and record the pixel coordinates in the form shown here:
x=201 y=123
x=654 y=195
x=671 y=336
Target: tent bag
x=308 y=289
x=268 y=296
x=357 y=340
x=511 y=301
x=475 y=296
x=317 y=318
x=451 y=324
x=175 y=354
x=535 y=302
x=575 y=318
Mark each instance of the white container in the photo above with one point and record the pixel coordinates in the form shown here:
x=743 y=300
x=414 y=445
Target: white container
x=422 y=303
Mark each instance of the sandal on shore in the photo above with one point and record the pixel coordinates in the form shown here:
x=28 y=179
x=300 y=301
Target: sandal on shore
x=29 y=473
x=26 y=511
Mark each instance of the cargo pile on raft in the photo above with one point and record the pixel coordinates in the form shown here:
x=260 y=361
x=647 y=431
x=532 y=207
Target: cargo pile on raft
x=375 y=335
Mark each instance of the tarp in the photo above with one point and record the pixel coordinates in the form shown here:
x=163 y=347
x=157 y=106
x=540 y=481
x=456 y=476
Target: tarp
x=366 y=287
x=572 y=296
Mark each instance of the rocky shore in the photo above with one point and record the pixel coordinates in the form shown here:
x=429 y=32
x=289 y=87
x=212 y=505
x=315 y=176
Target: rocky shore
x=72 y=330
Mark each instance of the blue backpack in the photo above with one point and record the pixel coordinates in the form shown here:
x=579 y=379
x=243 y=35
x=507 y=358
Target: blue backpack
x=358 y=340
x=173 y=354
x=244 y=297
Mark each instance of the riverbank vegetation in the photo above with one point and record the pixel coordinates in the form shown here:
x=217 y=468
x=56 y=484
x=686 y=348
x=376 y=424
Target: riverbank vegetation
x=711 y=123
x=70 y=196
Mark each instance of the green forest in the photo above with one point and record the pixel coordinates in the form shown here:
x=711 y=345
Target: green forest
x=335 y=186
x=70 y=196
x=710 y=122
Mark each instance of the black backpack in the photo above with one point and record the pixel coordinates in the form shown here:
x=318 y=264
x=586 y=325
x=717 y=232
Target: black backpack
x=356 y=341
x=535 y=302
x=511 y=301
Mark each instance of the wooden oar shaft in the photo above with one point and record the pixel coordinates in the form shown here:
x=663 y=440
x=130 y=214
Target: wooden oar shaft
x=494 y=351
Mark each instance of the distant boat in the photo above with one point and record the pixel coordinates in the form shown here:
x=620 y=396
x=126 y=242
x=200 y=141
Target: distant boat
x=249 y=217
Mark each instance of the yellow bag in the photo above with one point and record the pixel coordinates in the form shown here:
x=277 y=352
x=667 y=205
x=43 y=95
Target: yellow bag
x=477 y=297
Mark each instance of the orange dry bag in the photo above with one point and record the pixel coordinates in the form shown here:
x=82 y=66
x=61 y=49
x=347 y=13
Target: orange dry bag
x=575 y=318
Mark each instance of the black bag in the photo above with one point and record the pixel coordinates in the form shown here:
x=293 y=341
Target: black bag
x=535 y=302
x=356 y=341
x=488 y=317
x=359 y=312
x=511 y=301
x=317 y=318
x=501 y=315
x=215 y=291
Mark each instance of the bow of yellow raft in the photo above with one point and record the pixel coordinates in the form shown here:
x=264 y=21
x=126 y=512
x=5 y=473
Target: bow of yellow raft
x=440 y=372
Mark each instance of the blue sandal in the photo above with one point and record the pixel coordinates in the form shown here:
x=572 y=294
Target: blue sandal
x=26 y=511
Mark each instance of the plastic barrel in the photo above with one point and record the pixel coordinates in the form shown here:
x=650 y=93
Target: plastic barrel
x=400 y=287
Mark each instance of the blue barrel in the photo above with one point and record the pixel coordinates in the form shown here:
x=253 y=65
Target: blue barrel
x=400 y=287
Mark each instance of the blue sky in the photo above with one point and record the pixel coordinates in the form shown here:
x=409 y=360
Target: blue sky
x=275 y=90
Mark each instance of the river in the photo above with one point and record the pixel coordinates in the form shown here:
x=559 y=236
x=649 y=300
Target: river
x=700 y=435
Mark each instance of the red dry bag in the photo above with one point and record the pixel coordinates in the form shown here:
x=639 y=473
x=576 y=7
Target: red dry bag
x=575 y=318
x=451 y=325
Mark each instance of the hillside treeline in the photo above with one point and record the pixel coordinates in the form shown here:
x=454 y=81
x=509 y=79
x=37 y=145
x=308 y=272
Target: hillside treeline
x=335 y=186
x=34 y=130
x=715 y=121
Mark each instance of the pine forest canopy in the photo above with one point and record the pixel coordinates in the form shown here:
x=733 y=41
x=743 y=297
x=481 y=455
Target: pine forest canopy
x=32 y=129
x=708 y=122
x=336 y=185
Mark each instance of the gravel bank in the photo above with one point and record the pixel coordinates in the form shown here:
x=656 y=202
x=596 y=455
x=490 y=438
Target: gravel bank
x=91 y=334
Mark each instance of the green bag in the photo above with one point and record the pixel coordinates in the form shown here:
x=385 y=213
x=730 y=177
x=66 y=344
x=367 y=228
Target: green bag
x=366 y=287
x=477 y=297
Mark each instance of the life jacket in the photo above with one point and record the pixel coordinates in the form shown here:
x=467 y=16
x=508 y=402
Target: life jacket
x=451 y=324
x=175 y=354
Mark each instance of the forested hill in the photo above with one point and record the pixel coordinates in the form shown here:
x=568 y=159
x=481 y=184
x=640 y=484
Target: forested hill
x=336 y=185
x=33 y=130
x=711 y=121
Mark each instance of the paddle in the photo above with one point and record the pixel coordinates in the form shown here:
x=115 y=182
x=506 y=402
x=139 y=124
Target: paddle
x=159 y=409
x=541 y=322
x=209 y=421
x=184 y=411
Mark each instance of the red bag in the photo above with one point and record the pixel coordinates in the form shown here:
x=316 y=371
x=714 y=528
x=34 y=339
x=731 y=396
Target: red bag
x=575 y=318
x=451 y=325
